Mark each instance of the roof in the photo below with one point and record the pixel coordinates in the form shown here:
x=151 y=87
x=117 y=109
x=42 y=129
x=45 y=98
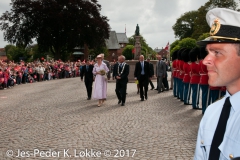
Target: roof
x=122 y=38
x=112 y=42
x=78 y=53
x=158 y=50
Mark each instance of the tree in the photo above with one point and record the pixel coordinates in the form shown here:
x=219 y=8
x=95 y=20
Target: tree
x=193 y=24
x=97 y=50
x=183 y=28
x=184 y=43
x=127 y=52
x=58 y=26
x=203 y=36
x=200 y=23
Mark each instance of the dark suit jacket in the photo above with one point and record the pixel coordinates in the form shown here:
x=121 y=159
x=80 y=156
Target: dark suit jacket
x=108 y=65
x=151 y=69
x=138 y=70
x=88 y=75
x=115 y=70
x=125 y=73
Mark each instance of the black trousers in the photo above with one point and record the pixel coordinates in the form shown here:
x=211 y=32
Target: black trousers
x=143 y=83
x=88 y=84
x=120 y=90
x=165 y=82
x=150 y=81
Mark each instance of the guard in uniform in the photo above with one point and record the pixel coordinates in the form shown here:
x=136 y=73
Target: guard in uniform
x=181 y=74
x=219 y=130
x=174 y=74
x=203 y=80
x=195 y=77
x=186 y=78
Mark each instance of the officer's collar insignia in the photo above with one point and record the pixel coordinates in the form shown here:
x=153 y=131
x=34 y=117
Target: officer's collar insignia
x=215 y=27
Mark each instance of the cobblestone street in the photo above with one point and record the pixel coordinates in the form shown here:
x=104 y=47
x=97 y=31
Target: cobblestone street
x=44 y=118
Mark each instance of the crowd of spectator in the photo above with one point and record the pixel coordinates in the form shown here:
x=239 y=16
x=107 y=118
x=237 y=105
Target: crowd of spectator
x=12 y=73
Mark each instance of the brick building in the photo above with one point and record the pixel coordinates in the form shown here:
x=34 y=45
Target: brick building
x=164 y=53
x=3 y=55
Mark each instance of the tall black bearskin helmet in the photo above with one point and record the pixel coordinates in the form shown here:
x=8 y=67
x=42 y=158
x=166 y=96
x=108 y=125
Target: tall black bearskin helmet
x=203 y=53
x=194 y=53
x=174 y=55
x=180 y=53
x=185 y=55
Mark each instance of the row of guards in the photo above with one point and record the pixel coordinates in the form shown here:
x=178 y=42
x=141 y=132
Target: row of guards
x=190 y=78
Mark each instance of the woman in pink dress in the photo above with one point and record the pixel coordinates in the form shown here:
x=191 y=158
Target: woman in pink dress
x=100 y=85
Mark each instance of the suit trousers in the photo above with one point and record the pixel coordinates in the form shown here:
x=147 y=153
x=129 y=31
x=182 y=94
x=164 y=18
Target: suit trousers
x=180 y=89
x=121 y=88
x=204 y=89
x=214 y=95
x=175 y=86
x=187 y=92
x=160 y=83
x=150 y=81
x=195 y=95
x=88 y=84
x=165 y=82
x=143 y=83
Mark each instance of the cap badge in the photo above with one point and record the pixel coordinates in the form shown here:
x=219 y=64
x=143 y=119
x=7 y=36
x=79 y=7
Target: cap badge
x=215 y=27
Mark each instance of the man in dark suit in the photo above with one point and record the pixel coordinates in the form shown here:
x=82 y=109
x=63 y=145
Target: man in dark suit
x=121 y=71
x=88 y=77
x=160 y=73
x=151 y=72
x=142 y=74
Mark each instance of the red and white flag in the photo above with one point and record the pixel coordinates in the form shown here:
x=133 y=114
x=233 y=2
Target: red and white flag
x=167 y=47
x=133 y=50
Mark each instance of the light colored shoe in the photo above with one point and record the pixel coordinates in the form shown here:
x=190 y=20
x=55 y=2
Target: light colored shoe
x=103 y=101
x=99 y=103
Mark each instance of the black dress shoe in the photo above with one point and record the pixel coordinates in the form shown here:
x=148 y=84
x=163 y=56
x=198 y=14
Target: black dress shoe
x=146 y=98
x=88 y=98
x=119 y=101
x=152 y=88
x=156 y=89
x=142 y=99
x=159 y=92
x=123 y=104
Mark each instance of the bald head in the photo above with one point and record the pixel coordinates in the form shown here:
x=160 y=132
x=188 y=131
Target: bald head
x=141 y=58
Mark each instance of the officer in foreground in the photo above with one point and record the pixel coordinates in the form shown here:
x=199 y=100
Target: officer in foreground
x=219 y=130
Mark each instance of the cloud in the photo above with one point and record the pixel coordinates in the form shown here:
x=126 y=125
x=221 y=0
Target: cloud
x=155 y=17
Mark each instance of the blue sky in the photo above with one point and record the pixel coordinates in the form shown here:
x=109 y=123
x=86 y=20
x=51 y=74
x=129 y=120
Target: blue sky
x=154 y=17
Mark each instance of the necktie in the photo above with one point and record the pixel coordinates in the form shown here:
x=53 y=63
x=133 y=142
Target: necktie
x=220 y=130
x=87 y=68
x=142 y=64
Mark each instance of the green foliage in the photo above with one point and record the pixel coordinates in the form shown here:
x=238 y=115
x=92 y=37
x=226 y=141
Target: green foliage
x=173 y=45
x=127 y=52
x=193 y=23
x=183 y=28
x=15 y=53
x=97 y=50
x=188 y=43
x=145 y=49
x=203 y=36
x=184 y=43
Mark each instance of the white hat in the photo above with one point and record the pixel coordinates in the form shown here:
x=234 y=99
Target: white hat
x=225 y=26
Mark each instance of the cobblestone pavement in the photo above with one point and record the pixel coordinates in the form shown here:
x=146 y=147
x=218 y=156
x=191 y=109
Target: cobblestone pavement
x=54 y=120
